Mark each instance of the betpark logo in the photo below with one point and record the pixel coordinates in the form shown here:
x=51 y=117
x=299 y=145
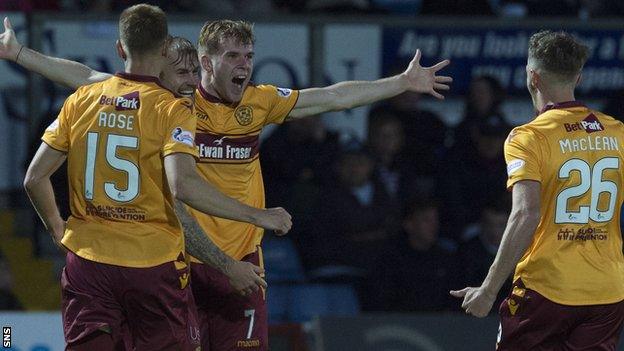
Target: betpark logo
x=590 y=124
x=125 y=102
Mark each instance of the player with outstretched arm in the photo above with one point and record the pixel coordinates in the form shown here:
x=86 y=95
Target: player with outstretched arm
x=563 y=235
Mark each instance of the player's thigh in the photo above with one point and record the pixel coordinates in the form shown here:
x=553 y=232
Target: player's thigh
x=599 y=329
x=88 y=301
x=229 y=321
x=161 y=309
x=529 y=321
x=238 y=323
x=97 y=341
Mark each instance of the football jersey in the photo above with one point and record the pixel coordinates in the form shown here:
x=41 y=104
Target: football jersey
x=576 y=154
x=116 y=134
x=228 y=140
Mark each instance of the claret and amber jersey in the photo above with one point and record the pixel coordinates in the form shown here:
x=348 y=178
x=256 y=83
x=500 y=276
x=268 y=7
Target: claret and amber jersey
x=116 y=134
x=577 y=155
x=228 y=140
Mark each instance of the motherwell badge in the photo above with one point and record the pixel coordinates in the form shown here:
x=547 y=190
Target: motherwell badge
x=244 y=115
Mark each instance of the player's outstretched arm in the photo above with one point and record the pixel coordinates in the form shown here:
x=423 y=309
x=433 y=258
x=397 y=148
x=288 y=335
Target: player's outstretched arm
x=523 y=220
x=346 y=95
x=69 y=73
x=39 y=188
x=187 y=186
x=244 y=276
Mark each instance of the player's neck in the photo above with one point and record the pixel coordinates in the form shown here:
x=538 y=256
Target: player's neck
x=554 y=96
x=143 y=66
x=206 y=83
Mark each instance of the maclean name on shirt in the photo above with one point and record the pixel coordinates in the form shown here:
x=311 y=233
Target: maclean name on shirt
x=589 y=143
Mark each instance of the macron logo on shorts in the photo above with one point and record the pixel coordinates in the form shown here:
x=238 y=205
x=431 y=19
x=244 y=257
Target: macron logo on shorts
x=125 y=102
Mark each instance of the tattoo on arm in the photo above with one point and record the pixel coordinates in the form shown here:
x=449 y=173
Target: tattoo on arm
x=198 y=244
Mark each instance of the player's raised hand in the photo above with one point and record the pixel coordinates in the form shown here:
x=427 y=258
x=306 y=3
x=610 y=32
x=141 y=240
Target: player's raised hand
x=245 y=277
x=276 y=219
x=424 y=79
x=9 y=46
x=477 y=301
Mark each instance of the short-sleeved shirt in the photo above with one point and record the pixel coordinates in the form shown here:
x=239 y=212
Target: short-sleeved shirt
x=576 y=154
x=116 y=134
x=228 y=140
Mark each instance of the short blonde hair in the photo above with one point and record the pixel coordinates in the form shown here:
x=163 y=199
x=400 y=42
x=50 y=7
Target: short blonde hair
x=558 y=53
x=183 y=48
x=143 y=28
x=214 y=33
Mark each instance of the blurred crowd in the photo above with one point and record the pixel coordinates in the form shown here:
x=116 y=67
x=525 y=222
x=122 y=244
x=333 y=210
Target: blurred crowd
x=416 y=210
x=510 y=8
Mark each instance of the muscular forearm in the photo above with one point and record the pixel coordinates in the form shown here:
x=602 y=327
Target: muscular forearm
x=516 y=239
x=198 y=244
x=70 y=73
x=357 y=93
x=205 y=198
x=346 y=95
x=41 y=195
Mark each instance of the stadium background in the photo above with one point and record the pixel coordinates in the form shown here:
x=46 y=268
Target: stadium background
x=316 y=303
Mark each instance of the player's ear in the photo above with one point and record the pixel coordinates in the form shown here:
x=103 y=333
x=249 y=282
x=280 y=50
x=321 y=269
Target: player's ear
x=534 y=79
x=205 y=63
x=579 y=79
x=120 y=50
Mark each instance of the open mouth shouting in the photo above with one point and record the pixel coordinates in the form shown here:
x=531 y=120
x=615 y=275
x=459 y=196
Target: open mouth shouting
x=239 y=81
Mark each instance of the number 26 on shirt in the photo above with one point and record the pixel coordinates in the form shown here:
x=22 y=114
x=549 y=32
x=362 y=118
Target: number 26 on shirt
x=591 y=179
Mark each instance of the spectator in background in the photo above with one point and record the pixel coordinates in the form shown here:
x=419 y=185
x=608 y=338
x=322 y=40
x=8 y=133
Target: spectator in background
x=422 y=135
x=385 y=141
x=484 y=98
x=297 y=161
x=355 y=219
x=480 y=243
x=419 y=267
x=402 y=174
x=301 y=151
x=473 y=172
x=8 y=300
